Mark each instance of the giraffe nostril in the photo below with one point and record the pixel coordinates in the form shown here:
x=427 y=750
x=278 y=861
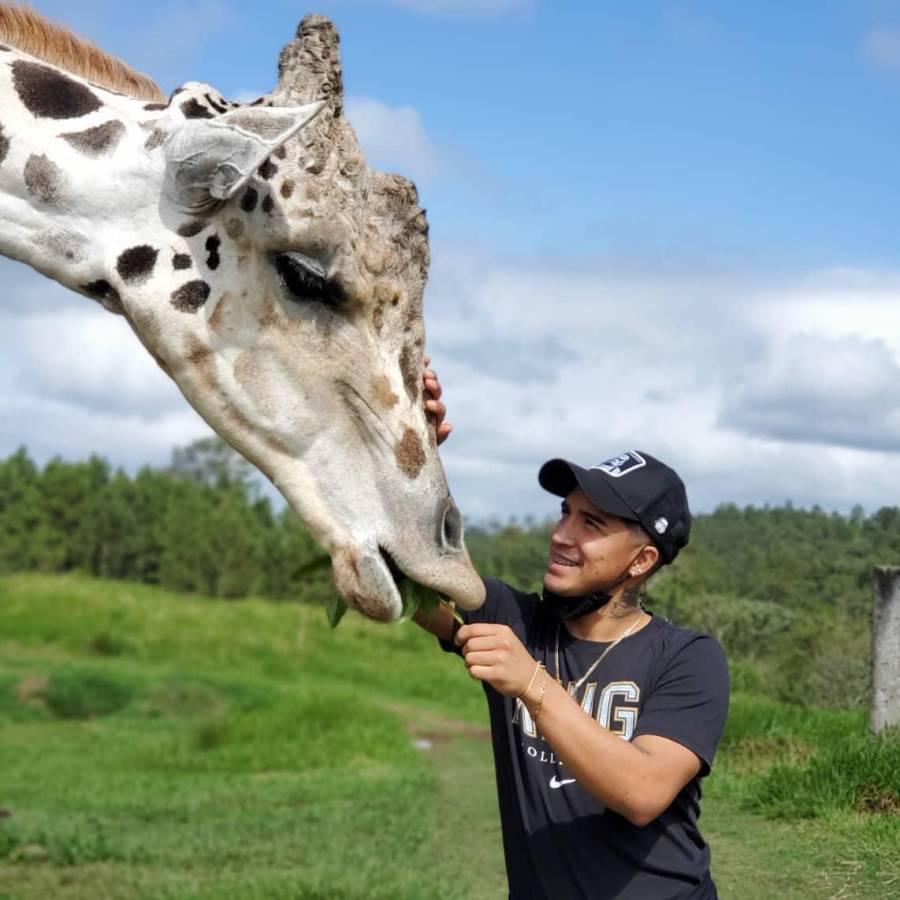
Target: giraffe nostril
x=452 y=527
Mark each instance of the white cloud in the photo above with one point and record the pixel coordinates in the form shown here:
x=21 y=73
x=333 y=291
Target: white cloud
x=90 y=359
x=74 y=380
x=755 y=390
x=541 y=360
x=393 y=138
x=838 y=391
x=881 y=47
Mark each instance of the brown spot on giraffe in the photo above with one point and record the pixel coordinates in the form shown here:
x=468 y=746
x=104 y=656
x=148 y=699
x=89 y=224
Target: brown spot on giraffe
x=249 y=200
x=409 y=454
x=279 y=152
x=381 y=391
x=268 y=204
x=190 y=296
x=213 y=242
x=4 y=145
x=218 y=107
x=156 y=139
x=217 y=319
x=246 y=370
x=383 y=294
x=97 y=141
x=287 y=188
x=105 y=294
x=234 y=228
x=196 y=351
x=192 y=109
x=267 y=170
x=189 y=229
x=135 y=264
x=67 y=245
x=49 y=94
x=378 y=317
x=411 y=370
x=44 y=179
x=270 y=317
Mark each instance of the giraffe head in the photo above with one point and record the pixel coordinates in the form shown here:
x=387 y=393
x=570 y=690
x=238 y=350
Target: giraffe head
x=273 y=275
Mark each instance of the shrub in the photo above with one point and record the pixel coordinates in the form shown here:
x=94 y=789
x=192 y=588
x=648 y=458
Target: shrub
x=842 y=777
x=78 y=694
x=106 y=644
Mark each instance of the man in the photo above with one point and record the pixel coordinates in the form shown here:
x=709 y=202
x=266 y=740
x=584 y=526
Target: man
x=604 y=716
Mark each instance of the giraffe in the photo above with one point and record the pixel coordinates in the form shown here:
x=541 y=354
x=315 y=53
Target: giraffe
x=269 y=272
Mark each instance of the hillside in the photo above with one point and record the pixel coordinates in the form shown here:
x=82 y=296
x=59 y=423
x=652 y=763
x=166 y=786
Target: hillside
x=169 y=746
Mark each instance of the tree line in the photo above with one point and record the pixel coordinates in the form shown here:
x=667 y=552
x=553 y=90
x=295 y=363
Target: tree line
x=787 y=591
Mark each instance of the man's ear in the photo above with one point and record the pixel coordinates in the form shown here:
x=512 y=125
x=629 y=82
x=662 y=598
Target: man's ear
x=645 y=560
x=209 y=160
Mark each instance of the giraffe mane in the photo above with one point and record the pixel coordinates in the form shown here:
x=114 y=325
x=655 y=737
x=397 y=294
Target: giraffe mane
x=30 y=32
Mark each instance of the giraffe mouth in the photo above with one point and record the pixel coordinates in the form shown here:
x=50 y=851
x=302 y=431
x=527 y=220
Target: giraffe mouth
x=372 y=581
x=396 y=572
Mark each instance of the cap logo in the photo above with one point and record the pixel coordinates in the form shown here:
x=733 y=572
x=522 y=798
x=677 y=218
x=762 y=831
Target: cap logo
x=661 y=524
x=622 y=464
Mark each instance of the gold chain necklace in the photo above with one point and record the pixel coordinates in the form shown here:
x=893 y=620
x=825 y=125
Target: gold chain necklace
x=600 y=658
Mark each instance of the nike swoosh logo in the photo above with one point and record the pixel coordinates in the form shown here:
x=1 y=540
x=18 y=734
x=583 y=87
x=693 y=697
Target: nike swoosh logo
x=556 y=783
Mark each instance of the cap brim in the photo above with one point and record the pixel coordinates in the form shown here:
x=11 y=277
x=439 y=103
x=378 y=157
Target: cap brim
x=560 y=477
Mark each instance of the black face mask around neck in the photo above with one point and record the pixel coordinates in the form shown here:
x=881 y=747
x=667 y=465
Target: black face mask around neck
x=574 y=607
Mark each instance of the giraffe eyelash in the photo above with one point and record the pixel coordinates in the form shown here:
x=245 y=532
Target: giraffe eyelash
x=306 y=281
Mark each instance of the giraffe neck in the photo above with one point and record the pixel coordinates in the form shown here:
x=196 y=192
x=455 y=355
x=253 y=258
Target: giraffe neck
x=73 y=162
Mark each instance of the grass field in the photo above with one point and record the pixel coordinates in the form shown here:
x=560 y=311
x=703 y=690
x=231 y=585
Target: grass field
x=161 y=746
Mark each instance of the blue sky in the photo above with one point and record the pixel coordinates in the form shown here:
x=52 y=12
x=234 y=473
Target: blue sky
x=667 y=225
x=765 y=131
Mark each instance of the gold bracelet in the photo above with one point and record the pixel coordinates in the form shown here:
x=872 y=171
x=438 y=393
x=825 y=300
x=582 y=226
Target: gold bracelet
x=537 y=669
x=540 y=700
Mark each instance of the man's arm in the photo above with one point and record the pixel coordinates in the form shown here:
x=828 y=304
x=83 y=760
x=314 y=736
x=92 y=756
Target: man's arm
x=637 y=779
x=438 y=621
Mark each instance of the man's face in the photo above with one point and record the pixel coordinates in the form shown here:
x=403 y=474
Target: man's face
x=588 y=548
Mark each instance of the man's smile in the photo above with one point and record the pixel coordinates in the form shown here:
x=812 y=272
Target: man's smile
x=557 y=559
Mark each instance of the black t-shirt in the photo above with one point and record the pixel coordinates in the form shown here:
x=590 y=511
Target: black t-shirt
x=560 y=842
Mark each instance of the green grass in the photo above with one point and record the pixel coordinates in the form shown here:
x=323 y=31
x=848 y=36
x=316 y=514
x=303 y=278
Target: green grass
x=163 y=746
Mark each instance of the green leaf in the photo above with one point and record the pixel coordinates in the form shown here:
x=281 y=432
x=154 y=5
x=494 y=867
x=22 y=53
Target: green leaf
x=413 y=597
x=335 y=609
x=416 y=596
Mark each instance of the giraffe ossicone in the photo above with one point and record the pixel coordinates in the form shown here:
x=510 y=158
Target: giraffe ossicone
x=274 y=276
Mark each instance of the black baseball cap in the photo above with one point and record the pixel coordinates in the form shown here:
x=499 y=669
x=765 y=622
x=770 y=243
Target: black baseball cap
x=633 y=485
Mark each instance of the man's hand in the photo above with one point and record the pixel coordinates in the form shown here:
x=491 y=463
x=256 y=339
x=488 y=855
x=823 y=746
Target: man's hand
x=494 y=654
x=433 y=402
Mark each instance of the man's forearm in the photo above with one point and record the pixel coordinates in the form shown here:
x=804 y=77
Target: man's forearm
x=616 y=772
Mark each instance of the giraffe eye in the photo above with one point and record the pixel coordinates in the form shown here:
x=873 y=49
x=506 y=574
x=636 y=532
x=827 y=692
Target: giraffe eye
x=306 y=281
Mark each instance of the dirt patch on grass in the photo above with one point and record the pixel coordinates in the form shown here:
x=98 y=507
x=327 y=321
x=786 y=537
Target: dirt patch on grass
x=32 y=691
x=431 y=726
x=874 y=800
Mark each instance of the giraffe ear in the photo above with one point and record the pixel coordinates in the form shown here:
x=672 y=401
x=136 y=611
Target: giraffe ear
x=210 y=160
